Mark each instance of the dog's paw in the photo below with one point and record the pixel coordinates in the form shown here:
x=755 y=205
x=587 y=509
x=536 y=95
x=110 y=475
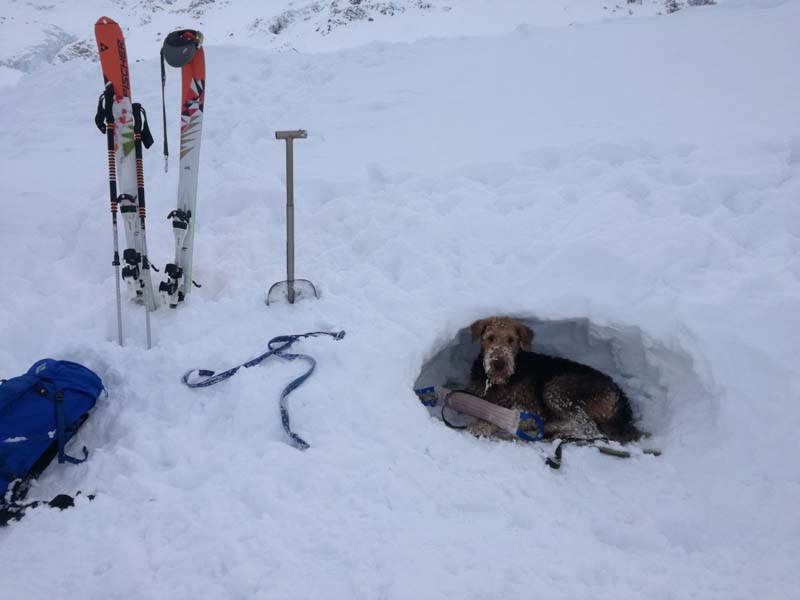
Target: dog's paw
x=480 y=428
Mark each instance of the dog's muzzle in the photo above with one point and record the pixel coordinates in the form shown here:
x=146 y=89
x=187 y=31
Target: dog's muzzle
x=498 y=363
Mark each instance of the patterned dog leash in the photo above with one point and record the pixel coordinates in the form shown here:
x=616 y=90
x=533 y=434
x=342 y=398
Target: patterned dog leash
x=277 y=346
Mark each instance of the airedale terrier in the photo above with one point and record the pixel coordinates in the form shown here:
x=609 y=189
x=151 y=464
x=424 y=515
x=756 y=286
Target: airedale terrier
x=575 y=401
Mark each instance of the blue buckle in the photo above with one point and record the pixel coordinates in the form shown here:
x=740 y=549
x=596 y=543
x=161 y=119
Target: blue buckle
x=525 y=416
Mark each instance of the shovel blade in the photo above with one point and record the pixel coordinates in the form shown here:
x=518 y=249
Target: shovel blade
x=291 y=291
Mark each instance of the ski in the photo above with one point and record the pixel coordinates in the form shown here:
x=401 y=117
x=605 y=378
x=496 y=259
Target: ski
x=118 y=115
x=183 y=49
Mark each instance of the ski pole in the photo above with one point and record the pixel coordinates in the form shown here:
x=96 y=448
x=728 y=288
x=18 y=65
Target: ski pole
x=140 y=125
x=105 y=123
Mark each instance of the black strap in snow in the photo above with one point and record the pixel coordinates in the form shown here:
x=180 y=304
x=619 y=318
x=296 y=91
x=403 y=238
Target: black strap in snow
x=14 y=511
x=444 y=415
x=554 y=461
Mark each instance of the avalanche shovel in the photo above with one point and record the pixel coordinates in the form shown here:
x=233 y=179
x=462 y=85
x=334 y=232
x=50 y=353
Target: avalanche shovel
x=291 y=289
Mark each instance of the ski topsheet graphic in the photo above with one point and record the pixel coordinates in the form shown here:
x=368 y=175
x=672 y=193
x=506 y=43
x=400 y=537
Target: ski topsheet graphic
x=127 y=121
x=183 y=49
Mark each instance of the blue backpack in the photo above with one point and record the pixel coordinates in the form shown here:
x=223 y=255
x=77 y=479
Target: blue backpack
x=39 y=412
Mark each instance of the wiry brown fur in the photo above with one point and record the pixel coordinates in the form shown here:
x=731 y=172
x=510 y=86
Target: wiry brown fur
x=574 y=400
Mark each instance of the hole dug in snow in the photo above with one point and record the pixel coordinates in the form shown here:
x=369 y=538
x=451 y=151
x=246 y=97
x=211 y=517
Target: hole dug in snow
x=666 y=392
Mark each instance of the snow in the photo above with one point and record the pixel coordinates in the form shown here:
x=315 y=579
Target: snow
x=626 y=184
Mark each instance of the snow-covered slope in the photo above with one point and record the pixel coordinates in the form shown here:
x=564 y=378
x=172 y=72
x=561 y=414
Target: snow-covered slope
x=37 y=34
x=628 y=186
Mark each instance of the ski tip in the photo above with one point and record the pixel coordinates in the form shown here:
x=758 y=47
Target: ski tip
x=105 y=21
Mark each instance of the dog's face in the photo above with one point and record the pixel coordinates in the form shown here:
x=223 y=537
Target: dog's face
x=501 y=340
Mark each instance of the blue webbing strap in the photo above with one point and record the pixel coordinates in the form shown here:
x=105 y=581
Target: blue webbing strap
x=298 y=441
x=427 y=396
x=276 y=346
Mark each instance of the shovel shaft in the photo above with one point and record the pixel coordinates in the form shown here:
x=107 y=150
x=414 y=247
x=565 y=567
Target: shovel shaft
x=290 y=218
x=289 y=136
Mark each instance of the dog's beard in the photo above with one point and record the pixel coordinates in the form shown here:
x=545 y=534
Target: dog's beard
x=493 y=376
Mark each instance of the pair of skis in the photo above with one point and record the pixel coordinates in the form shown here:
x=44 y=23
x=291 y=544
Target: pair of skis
x=127 y=131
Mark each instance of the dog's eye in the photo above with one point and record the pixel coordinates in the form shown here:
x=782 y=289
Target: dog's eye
x=490 y=338
x=511 y=340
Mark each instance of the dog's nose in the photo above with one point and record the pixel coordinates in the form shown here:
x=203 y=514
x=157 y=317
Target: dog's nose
x=498 y=364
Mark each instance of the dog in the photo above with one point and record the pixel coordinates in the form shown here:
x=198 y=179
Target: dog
x=575 y=401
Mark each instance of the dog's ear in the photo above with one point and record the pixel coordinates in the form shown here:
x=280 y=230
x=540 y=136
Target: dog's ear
x=525 y=336
x=478 y=327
